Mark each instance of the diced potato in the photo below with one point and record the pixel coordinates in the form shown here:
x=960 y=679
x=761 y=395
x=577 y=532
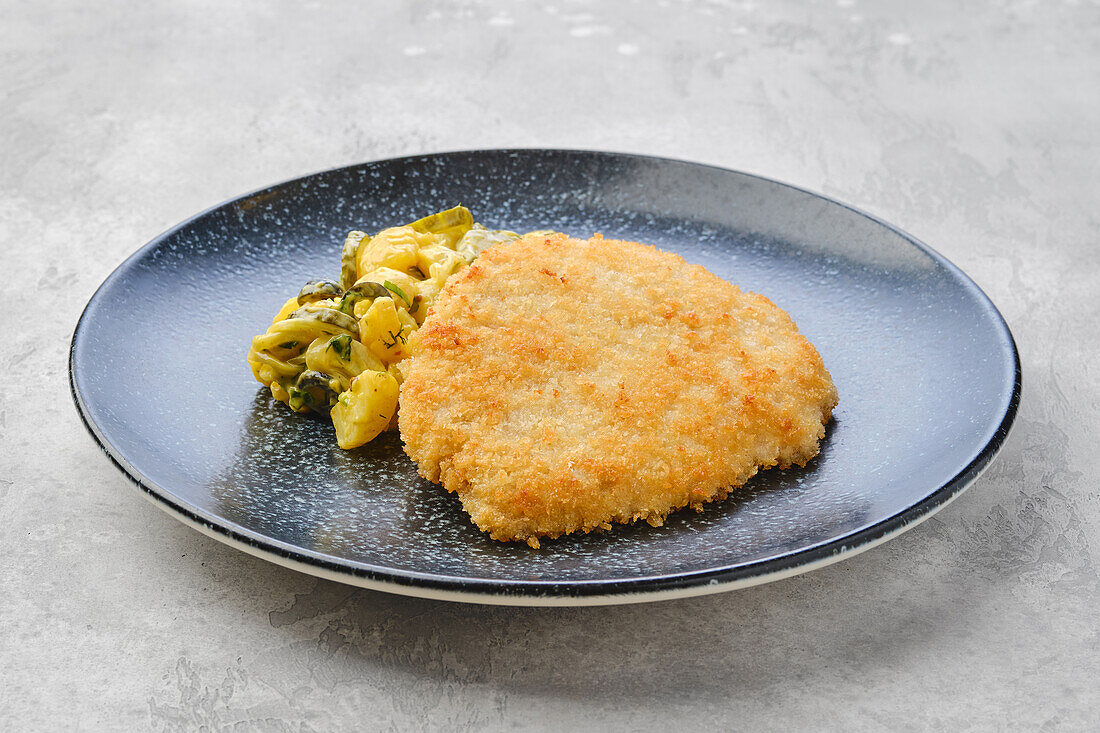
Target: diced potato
x=366 y=409
x=394 y=248
x=382 y=331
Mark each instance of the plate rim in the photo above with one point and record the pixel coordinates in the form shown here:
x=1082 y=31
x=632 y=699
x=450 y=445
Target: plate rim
x=572 y=592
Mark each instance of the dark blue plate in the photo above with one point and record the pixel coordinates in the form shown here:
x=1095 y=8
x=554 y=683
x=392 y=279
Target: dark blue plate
x=927 y=371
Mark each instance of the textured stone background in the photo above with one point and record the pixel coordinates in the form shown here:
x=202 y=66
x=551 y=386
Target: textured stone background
x=975 y=128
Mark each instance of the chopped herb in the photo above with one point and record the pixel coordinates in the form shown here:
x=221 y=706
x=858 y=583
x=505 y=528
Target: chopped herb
x=342 y=346
x=288 y=345
x=400 y=335
x=394 y=289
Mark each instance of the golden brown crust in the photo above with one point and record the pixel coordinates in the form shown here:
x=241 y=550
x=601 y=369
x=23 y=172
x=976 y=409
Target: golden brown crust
x=561 y=385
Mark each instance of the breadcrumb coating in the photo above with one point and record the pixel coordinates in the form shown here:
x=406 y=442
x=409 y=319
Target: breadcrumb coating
x=561 y=385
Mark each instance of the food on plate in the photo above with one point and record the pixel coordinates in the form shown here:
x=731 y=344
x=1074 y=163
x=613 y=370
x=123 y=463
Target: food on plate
x=335 y=346
x=561 y=385
x=554 y=384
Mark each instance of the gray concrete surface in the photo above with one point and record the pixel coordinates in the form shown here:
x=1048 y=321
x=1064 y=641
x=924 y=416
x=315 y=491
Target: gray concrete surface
x=976 y=128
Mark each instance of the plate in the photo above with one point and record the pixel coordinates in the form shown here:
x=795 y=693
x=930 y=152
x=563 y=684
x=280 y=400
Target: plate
x=927 y=371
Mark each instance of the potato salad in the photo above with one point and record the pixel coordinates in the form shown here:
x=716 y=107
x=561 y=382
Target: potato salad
x=335 y=347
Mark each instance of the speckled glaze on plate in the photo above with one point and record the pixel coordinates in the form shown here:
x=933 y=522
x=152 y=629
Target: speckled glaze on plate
x=926 y=368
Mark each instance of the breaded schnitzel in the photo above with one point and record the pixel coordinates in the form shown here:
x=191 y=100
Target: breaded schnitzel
x=561 y=385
